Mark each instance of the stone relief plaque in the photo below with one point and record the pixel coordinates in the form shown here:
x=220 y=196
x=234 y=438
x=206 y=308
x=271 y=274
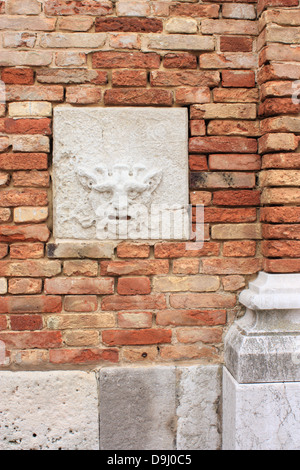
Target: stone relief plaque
x=120 y=173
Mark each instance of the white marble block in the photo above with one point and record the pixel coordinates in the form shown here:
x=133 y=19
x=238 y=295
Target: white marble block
x=120 y=173
x=260 y=416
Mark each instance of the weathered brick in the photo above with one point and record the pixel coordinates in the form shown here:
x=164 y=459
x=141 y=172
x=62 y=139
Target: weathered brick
x=281 y=248
x=17 y=39
x=124 y=41
x=184 y=60
x=281 y=160
x=283 y=265
x=23 y=197
x=181 y=25
x=242 y=248
x=277 y=106
x=148 y=336
x=23 y=161
x=197 y=127
x=200 y=180
x=181 y=42
x=30 y=304
x=34 y=93
x=236 y=44
x=217 y=214
x=68 y=321
x=80 y=303
x=186 y=266
x=81 y=338
x=26 y=322
x=75 y=24
x=24 y=286
x=31 y=178
x=23 y=7
x=192 y=95
x=205 y=335
x=228 y=60
x=239 y=11
x=83 y=356
x=31 y=340
x=30 y=58
x=130 y=78
x=246 y=162
x=133 y=250
x=280 y=215
x=233 y=283
x=72 y=40
x=200 y=11
x=235 y=95
x=11 y=233
x=198 y=283
x=236 y=231
x=83 y=95
x=83 y=7
x=277 y=142
x=197 y=162
x=134 y=285
x=26 y=250
x=17 y=76
x=182 y=352
x=138 y=97
x=231 y=266
x=223 y=111
x=236 y=198
x=215 y=300
x=126 y=24
x=70 y=59
x=79 y=286
x=135 y=320
x=137 y=60
x=228 y=26
x=134 y=302
x=30 y=268
x=27 y=126
x=30 y=109
x=238 y=78
x=30 y=143
x=14 y=23
x=80 y=268
x=72 y=76
x=186 y=77
x=180 y=249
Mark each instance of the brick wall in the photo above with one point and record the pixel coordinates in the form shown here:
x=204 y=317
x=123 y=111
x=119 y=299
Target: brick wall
x=232 y=65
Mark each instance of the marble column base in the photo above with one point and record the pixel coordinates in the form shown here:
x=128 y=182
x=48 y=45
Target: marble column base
x=260 y=416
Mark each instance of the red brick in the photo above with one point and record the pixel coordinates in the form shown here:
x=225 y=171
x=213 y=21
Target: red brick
x=26 y=322
x=31 y=340
x=181 y=352
x=192 y=95
x=136 y=268
x=179 y=249
x=23 y=197
x=148 y=336
x=79 y=286
x=217 y=214
x=130 y=78
x=15 y=76
x=233 y=127
x=202 y=300
x=281 y=231
x=34 y=93
x=83 y=356
x=231 y=266
x=83 y=95
x=3 y=322
x=131 y=250
x=278 y=106
x=221 y=180
x=27 y=250
x=205 y=335
x=30 y=233
x=24 y=286
x=138 y=97
x=5 y=214
x=238 y=78
x=281 y=160
x=238 y=162
x=3 y=250
x=235 y=44
x=28 y=126
x=83 y=7
x=32 y=178
x=183 y=77
x=125 y=24
x=80 y=303
x=197 y=127
x=23 y=161
x=281 y=248
x=134 y=285
x=80 y=268
x=198 y=11
x=191 y=317
x=198 y=162
x=30 y=268
x=242 y=248
x=262 y=4
x=136 y=302
x=136 y=60
x=282 y=265
x=280 y=215
x=222 y=144
x=30 y=304
x=180 y=61
x=237 y=198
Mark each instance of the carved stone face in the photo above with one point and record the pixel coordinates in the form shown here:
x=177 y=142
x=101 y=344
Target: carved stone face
x=115 y=195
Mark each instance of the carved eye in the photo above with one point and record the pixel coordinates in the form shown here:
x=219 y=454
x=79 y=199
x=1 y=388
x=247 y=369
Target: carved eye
x=107 y=194
x=132 y=194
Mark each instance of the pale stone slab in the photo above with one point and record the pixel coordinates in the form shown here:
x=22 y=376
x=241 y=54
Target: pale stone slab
x=48 y=410
x=199 y=396
x=264 y=345
x=113 y=169
x=137 y=408
x=260 y=416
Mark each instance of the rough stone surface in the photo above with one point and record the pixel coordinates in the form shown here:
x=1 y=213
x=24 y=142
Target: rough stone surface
x=108 y=160
x=260 y=416
x=137 y=408
x=199 y=395
x=48 y=410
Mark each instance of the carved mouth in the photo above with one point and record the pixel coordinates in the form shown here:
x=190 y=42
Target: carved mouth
x=116 y=217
